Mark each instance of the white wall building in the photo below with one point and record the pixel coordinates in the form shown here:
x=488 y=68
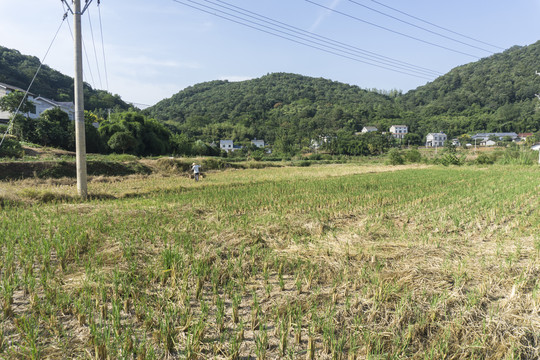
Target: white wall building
x=42 y=104
x=399 y=131
x=367 y=129
x=258 y=143
x=226 y=145
x=435 y=139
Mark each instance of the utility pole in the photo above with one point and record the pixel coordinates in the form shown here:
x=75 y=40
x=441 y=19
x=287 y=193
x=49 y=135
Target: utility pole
x=80 y=138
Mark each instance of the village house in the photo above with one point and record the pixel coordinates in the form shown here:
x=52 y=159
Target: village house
x=499 y=136
x=435 y=139
x=399 y=131
x=367 y=129
x=226 y=145
x=41 y=104
x=258 y=143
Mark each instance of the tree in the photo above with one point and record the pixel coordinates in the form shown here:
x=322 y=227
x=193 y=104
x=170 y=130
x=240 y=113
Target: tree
x=53 y=129
x=122 y=142
x=11 y=102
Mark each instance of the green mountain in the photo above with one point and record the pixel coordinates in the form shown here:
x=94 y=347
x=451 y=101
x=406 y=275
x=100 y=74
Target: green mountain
x=494 y=94
x=273 y=106
x=18 y=70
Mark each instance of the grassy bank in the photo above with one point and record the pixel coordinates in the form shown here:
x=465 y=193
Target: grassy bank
x=326 y=262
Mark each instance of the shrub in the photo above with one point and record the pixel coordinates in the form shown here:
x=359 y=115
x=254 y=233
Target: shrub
x=413 y=156
x=395 y=157
x=484 y=159
x=11 y=147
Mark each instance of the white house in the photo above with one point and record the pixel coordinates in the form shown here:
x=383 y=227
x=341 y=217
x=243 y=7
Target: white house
x=435 y=139
x=367 y=129
x=500 y=136
x=43 y=104
x=488 y=143
x=258 y=143
x=399 y=131
x=226 y=145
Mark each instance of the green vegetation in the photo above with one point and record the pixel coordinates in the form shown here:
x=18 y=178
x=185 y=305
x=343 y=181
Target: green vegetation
x=18 y=70
x=334 y=261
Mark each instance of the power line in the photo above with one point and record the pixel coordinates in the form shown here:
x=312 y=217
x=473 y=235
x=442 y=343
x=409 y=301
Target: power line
x=103 y=46
x=420 y=27
x=92 y=82
x=259 y=27
x=390 y=30
x=94 y=45
x=326 y=39
x=437 y=26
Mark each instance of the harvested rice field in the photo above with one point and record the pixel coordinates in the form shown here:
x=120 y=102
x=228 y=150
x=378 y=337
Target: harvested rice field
x=322 y=262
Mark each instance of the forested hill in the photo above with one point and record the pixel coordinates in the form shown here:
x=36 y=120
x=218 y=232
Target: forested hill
x=493 y=94
x=18 y=70
x=496 y=93
x=276 y=105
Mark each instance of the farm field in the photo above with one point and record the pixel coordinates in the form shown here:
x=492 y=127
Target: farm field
x=321 y=262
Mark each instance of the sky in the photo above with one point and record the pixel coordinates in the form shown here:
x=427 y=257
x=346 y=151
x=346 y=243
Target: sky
x=149 y=50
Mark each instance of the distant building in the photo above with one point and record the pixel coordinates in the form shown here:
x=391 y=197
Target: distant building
x=42 y=104
x=499 y=136
x=488 y=143
x=258 y=143
x=367 y=129
x=524 y=136
x=399 y=131
x=435 y=139
x=226 y=145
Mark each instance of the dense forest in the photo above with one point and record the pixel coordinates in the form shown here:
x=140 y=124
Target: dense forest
x=18 y=70
x=276 y=107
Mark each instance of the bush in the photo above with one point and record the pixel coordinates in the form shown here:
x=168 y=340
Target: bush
x=450 y=159
x=395 y=157
x=11 y=147
x=484 y=159
x=413 y=156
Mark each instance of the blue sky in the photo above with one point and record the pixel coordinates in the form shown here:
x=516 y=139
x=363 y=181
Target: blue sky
x=153 y=49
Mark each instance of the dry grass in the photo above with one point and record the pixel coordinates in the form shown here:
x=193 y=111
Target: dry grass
x=350 y=261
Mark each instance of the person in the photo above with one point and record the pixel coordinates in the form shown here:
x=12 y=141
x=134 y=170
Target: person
x=196 y=170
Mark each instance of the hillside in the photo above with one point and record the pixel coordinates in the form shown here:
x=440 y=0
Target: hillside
x=18 y=70
x=272 y=106
x=493 y=94
x=496 y=93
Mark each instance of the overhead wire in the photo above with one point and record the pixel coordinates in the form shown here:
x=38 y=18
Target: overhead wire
x=92 y=82
x=103 y=46
x=327 y=40
x=435 y=25
x=298 y=40
x=420 y=27
x=10 y=124
x=390 y=30
x=94 y=46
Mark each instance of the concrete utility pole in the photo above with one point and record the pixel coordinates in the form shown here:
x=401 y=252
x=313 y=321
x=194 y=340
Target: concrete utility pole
x=80 y=139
